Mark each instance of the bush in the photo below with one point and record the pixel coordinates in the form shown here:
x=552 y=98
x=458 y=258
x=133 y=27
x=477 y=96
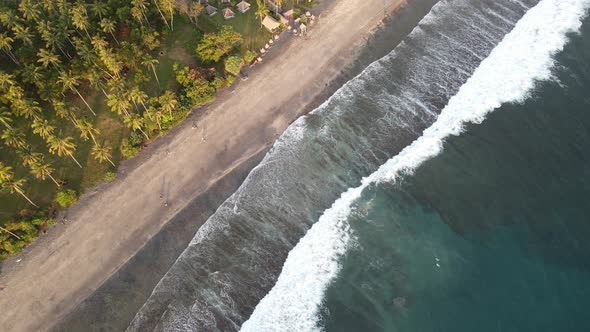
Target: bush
x=233 y=64
x=128 y=150
x=249 y=56
x=230 y=80
x=110 y=176
x=135 y=138
x=27 y=229
x=65 y=198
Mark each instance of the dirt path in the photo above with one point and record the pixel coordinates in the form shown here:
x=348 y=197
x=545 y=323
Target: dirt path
x=109 y=226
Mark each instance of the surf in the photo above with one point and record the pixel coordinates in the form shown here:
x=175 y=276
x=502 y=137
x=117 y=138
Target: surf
x=507 y=75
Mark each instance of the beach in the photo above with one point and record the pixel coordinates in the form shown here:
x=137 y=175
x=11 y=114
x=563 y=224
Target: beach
x=110 y=225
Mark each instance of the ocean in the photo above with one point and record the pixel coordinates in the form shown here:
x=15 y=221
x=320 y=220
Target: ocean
x=445 y=188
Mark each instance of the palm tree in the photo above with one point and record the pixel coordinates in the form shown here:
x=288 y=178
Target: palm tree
x=261 y=11
x=6 y=46
x=6 y=80
x=87 y=130
x=47 y=58
x=135 y=123
x=80 y=18
x=23 y=34
x=42 y=170
x=168 y=102
x=99 y=7
x=108 y=26
x=14 y=138
x=151 y=62
x=29 y=10
x=28 y=108
x=5 y=118
x=62 y=146
x=278 y=4
x=118 y=104
x=138 y=97
x=29 y=157
x=70 y=81
x=156 y=114
x=102 y=153
x=42 y=128
x=170 y=6
x=5 y=172
x=16 y=186
x=138 y=9
x=163 y=17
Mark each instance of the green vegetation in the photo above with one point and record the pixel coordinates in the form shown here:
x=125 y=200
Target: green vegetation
x=65 y=198
x=86 y=83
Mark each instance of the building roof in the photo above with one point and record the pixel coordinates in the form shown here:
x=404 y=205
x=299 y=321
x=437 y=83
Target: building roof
x=228 y=13
x=210 y=10
x=270 y=23
x=243 y=6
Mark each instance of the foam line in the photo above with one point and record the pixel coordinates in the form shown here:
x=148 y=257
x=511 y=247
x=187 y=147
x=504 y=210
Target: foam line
x=508 y=74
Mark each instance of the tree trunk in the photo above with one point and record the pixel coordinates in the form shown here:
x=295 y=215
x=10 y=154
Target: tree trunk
x=11 y=56
x=25 y=196
x=93 y=138
x=144 y=134
x=155 y=75
x=115 y=38
x=154 y=70
x=84 y=100
x=53 y=179
x=172 y=20
x=9 y=232
x=145 y=108
x=161 y=14
x=110 y=161
x=71 y=155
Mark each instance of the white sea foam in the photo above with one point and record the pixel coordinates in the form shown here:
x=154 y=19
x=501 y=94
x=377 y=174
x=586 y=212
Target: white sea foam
x=508 y=74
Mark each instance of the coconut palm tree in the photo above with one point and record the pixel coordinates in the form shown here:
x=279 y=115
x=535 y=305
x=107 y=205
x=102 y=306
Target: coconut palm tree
x=6 y=80
x=102 y=153
x=135 y=123
x=69 y=82
x=157 y=115
x=138 y=97
x=168 y=102
x=151 y=62
x=42 y=128
x=5 y=172
x=27 y=108
x=22 y=33
x=62 y=146
x=162 y=15
x=16 y=186
x=6 y=46
x=29 y=10
x=261 y=11
x=118 y=104
x=28 y=156
x=80 y=18
x=14 y=138
x=47 y=58
x=87 y=130
x=138 y=9
x=5 y=117
x=108 y=26
x=99 y=8
x=170 y=6
x=42 y=170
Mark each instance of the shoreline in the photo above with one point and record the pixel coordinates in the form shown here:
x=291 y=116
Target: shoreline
x=66 y=266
